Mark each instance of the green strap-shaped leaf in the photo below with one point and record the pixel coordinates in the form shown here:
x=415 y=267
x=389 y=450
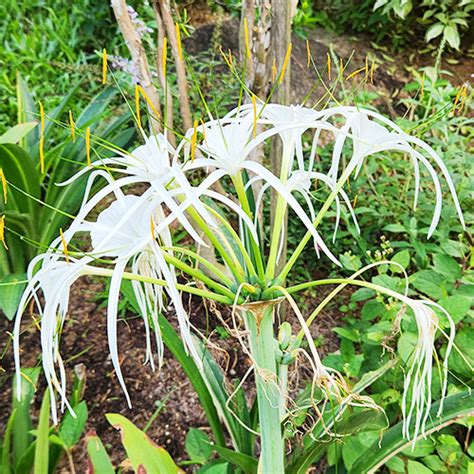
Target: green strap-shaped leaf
x=19 y=169
x=143 y=453
x=6 y=464
x=42 y=441
x=248 y=464
x=455 y=407
x=10 y=293
x=23 y=424
x=17 y=133
x=27 y=113
x=99 y=461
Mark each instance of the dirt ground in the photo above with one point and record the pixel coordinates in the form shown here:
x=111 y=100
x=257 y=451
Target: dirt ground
x=84 y=339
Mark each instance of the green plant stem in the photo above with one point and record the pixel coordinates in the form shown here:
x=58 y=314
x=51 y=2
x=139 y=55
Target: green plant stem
x=327 y=204
x=107 y=272
x=244 y=202
x=197 y=274
x=234 y=266
x=262 y=345
x=279 y=218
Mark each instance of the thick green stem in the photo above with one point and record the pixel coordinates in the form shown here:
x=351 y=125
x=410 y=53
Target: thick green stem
x=259 y=321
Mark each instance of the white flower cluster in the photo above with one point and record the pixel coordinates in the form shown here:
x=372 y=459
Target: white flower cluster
x=135 y=230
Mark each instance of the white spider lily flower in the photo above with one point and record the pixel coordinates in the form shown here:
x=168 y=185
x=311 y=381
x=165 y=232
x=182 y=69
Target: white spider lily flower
x=228 y=160
x=151 y=164
x=370 y=137
x=127 y=230
x=419 y=375
x=54 y=279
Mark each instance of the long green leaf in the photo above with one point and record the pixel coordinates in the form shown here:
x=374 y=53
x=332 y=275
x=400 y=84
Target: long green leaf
x=143 y=453
x=176 y=347
x=456 y=406
x=17 y=133
x=42 y=441
x=7 y=445
x=26 y=112
x=23 y=424
x=19 y=169
x=10 y=293
x=99 y=461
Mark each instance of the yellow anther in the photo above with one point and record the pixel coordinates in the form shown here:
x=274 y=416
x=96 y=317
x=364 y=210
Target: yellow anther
x=285 y=62
x=230 y=57
x=178 y=41
x=463 y=97
x=41 y=142
x=2 y=232
x=456 y=100
x=65 y=250
x=152 y=227
x=366 y=68
x=137 y=106
x=274 y=70
x=104 y=66
x=72 y=125
x=194 y=140
x=353 y=74
x=88 y=146
x=354 y=202
x=4 y=185
x=422 y=91
x=163 y=57
x=148 y=100
x=308 y=54
x=247 y=39
x=329 y=65
x=254 y=106
x=372 y=69
x=341 y=68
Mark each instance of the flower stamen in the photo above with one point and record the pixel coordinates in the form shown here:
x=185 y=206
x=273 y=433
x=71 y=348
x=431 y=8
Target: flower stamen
x=72 y=125
x=88 y=146
x=2 y=232
x=104 y=66
x=4 y=185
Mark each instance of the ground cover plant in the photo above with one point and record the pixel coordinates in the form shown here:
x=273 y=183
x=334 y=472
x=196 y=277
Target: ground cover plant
x=362 y=194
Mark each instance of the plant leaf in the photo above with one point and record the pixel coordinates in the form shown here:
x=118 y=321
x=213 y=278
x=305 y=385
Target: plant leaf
x=142 y=452
x=455 y=407
x=17 y=133
x=99 y=461
x=42 y=441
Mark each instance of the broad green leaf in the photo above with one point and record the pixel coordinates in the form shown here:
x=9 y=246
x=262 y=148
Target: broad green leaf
x=23 y=424
x=71 y=428
x=18 y=132
x=447 y=266
x=457 y=307
x=406 y=345
x=10 y=293
x=198 y=446
x=451 y=35
x=433 y=31
x=217 y=466
x=395 y=228
x=248 y=464
x=142 y=452
x=403 y=259
x=461 y=364
x=42 y=440
x=455 y=406
x=422 y=448
x=415 y=467
x=396 y=464
x=98 y=457
x=430 y=283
